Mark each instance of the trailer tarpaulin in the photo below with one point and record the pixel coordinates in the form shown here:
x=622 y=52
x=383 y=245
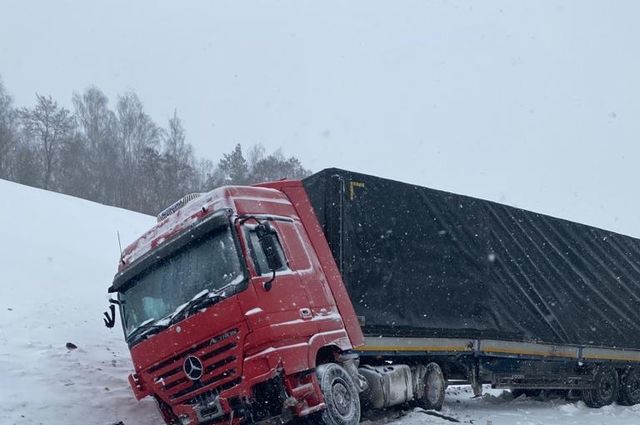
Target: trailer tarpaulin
x=423 y=262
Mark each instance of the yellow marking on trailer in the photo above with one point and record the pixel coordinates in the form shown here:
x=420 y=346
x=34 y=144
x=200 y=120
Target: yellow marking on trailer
x=531 y=352
x=611 y=357
x=352 y=189
x=413 y=348
x=500 y=350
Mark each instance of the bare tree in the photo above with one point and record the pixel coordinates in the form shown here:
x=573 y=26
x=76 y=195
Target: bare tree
x=8 y=137
x=119 y=157
x=136 y=129
x=27 y=169
x=49 y=125
x=103 y=161
x=96 y=120
x=179 y=170
x=139 y=138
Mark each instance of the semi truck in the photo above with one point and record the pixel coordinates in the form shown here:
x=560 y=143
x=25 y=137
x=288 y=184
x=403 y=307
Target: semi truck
x=320 y=297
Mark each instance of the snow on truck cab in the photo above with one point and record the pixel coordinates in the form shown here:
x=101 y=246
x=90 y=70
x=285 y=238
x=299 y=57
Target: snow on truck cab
x=311 y=298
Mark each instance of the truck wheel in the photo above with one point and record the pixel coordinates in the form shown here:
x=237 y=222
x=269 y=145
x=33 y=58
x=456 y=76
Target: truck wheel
x=340 y=395
x=630 y=387
x=605 y=390
x=433 y=390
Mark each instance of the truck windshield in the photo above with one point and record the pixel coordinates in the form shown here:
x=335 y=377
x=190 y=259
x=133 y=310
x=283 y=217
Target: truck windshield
x=209 y=263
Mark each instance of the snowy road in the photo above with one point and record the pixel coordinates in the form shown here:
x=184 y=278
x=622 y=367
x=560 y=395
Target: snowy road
x=497 y=407
x=58 y=256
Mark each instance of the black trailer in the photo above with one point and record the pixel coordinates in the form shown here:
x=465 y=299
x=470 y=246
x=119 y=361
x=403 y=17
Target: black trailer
x=490 y=292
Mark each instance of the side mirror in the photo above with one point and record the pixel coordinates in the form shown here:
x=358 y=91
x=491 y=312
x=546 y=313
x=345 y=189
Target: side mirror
x=110 y=319
x=270 y=245
x=110 y=316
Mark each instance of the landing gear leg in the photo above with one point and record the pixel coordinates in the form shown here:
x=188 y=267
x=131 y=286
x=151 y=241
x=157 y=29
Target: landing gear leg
x=474 y=379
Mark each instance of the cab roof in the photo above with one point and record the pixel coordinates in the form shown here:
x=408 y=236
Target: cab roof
x=240 y=200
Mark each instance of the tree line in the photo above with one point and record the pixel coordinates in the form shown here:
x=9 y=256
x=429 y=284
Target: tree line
x=117 y=155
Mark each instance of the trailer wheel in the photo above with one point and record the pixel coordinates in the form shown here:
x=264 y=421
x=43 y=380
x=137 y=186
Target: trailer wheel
x=630 y=387
x=340 y=395
x=433 y=389
x=605 y=390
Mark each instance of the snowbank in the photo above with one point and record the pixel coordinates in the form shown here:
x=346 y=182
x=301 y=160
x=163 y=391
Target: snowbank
x=498 y=408
x=58 y=255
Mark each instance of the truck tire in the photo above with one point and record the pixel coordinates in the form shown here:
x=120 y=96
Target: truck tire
x=434 y=387
x=605 y=390
x=630 y=387
x=340 y=395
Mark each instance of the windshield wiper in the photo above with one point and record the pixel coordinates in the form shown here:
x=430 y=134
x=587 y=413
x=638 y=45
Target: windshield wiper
x=152 y=326
x=144 y=329
x=200 y=300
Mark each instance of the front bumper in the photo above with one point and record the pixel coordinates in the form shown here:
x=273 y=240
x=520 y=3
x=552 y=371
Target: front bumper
x=231 y=386
x=224 y=392
x=260 y=397
x=201 y=397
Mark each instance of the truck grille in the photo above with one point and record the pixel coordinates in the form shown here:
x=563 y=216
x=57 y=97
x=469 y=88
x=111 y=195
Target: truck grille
x=221 y=360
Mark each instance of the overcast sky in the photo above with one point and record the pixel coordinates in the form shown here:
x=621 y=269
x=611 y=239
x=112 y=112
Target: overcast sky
x=533 y=103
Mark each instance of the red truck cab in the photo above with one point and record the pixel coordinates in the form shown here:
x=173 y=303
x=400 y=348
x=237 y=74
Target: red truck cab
x=216 y=333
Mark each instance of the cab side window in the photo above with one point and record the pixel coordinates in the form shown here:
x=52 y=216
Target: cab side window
x=258 y=255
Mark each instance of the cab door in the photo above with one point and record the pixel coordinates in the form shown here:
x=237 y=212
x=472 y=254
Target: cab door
x=279 y=312
x=306 y=265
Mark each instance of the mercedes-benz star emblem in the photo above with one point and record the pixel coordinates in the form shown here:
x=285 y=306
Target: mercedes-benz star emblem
x=193 y=368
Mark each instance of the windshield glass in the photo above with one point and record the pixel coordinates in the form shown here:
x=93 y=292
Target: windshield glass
x=209 y=263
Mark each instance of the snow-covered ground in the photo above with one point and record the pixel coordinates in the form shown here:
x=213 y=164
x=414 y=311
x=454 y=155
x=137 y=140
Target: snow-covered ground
x=58 y=255
x=497 y=407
